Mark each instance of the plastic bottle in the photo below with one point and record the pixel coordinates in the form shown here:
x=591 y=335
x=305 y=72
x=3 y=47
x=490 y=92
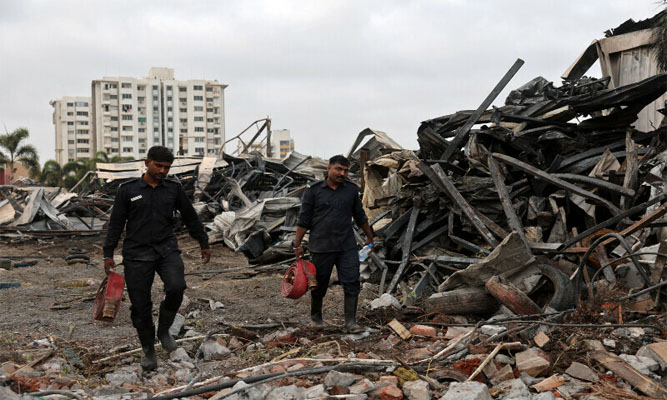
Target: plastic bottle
x=364 y=252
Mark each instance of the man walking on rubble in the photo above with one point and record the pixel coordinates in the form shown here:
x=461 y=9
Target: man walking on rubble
x=147 y=206
x=327 y=209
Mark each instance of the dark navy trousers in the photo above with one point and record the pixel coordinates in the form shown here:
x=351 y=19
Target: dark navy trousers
x=347 y=266
x=139 y=277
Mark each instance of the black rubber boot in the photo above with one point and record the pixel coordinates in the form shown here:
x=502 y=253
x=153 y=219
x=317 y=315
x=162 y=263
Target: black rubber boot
x=316 y=312
x=350 y=309
x=165 y=320
x=147 y=339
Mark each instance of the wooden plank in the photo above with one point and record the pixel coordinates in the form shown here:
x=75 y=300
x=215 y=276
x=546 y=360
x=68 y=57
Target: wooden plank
x=529 y=169
x=431 y=237
x=407 y=243
x=399 y=329
x=469 y=246
x=437 y=175
x=395 y=225
x=619 y=367
x=462 y=133
x=659 y=265
x=506 y=201
x=493 y=227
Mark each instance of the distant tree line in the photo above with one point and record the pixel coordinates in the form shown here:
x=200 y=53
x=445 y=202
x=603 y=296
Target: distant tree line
x=13 y=150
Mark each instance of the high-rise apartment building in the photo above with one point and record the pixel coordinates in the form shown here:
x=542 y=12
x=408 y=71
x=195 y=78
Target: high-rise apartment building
x=126 y=116
x=131 y=115
x=282 y=143
x=72 y=121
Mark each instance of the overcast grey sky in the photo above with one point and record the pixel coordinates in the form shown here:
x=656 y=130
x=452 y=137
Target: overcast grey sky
x=323 y=69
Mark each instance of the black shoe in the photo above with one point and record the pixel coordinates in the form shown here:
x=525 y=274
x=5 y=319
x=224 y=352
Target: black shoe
x=316 y=312
x=350 y=308
x=165 y=320
x=147 y=339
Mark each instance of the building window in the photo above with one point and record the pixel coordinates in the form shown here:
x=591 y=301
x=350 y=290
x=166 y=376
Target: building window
x=82 y=141
x=71 y=133
x=210 y=110
x=184 y=120
x=209 y=88
x=70 y=122
x=199 y=108
x=142 y=140
x=155 y=88
x=114 y=129
x=127 y=138
x=82 y=150
x=82 y=113
x=197 y=87
x=169 y=98
x=170 y=119
x=113 y=86
x=70 y=113
x=126 y=85
x=183 y=110
x=142 y=130
x=142 y=119
x=199 y=150
x=199 y=119
x=141 y=87
x=199 y=129
x=185 y=131
x=170 y=130
x=114 y=150
x=169 y=109
x=71 y=141
x=127 y=95
x=127 y=117
x=81 y=104
x=114 y=140
x=70 y=104
x=127 y=128
x=154 y=98
x=141 y=99
x=126 y=107
x=113 y=97
x=199 y=140
x=127 y=150
x=82 y=131
x=209 y=120
x=199 y=98
x=154 y=109
x=114 y=118
x=82 y=122
x=182 y=89
x=142 y=151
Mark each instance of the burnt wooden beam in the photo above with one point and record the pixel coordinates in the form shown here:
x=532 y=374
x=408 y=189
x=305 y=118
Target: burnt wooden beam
x=506 y=201
x=529 y=169
x=437 y=175
x=407 y=243
x=431 y=237
x=612 y=221
x=469 y=246
x=599 y=183
x=391 y=229
x=462 y=133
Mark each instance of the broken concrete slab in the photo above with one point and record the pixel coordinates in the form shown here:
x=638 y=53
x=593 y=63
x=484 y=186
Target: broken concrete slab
x=417 y=390
x=583 y=372
x=532 y=361
x=467 y=391
x=656 y=351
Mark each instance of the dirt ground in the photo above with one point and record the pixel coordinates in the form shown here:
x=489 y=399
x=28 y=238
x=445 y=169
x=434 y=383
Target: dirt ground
x=51 y=303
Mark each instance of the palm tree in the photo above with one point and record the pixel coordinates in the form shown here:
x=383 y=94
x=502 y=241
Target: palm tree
x=73 y=171
x=12 y=151
x=52 y=174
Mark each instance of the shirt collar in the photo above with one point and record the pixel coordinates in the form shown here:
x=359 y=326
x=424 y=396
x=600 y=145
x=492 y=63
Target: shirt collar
x=144 y=183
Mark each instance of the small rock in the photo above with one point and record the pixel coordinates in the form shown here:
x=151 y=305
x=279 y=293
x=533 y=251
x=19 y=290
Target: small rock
x=467 y=391
x=295 y=367
x=180 y=355
x=609 y=343
x=253 y=393
x=184 y=304
x=290 y=392
x=386 y=300
x=545 y=396
x=187 y=364
x=642 y=364
x=655 y=351
x=7 y=368
x=504 y=374
x=212 y=350
x=503 y=359
x=123 y=375
x=581 y=371
x=532 y=361
x=512 y=389
x=390 y=392
x=490 y=330
x=455 y=331
x=182 y=375
x=416 y=390
x=191 y=333
x=362 y=386
x=423 y=330
x=176 y=326
x=335 y=378
x=390 y=379
x=7 y=394
x=315 y=392
x=419 y=353
x=572 y=387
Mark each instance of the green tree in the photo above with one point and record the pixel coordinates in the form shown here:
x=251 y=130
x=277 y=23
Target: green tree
x=52 y=173
x=13 y=151
x=73 y=171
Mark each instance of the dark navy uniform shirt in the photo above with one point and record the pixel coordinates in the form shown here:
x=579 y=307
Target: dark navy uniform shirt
x=328 y=214
x=147 y=213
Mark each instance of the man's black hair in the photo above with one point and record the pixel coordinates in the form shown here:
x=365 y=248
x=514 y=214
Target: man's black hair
x=160 y=153
x=339 y=159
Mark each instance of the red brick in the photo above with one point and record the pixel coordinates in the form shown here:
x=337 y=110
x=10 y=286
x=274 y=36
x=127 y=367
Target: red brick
x=390 y=379
x=391 y=393
x=423 y=330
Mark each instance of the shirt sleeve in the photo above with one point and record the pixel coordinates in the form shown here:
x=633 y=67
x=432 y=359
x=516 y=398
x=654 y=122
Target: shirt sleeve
x=305 y=219
x=116 y=222
x=191 y=219
x=358 y=212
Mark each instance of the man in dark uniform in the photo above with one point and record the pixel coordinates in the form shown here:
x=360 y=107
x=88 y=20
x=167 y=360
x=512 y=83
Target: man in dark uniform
x=145 y=208
x=327 y=209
